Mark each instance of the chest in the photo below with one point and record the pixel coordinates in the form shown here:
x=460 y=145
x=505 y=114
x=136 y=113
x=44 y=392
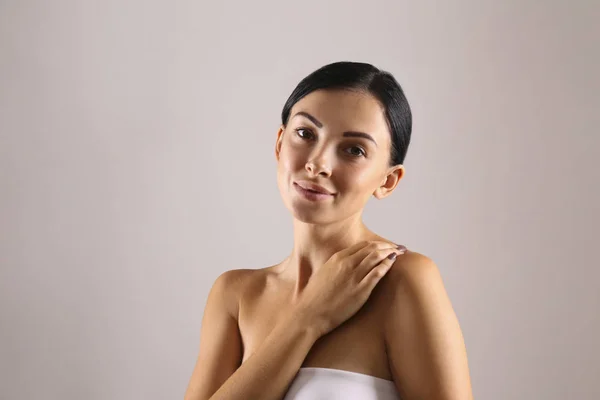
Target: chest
x=357 y=345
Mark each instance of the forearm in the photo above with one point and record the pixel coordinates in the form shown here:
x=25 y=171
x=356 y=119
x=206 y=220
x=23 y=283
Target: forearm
x=269 y=371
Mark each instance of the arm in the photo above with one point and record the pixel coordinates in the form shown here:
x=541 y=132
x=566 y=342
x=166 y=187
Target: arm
x=266 y=374
x=423 y=338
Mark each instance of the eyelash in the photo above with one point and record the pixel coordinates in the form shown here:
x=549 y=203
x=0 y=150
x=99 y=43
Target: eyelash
x=362 y=152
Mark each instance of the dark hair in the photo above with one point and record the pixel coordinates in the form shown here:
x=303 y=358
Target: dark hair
x=367 y=78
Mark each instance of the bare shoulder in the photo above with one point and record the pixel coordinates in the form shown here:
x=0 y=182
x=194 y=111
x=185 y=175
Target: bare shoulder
x=412 y=265
x=234 y=278
x=236 y=284
x=230 y=285
x=420 y=320
x=413 y=274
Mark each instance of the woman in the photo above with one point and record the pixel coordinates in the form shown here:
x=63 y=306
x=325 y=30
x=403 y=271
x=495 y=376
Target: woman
x=348 y=314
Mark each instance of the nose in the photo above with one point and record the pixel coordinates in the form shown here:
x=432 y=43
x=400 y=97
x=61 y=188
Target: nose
x=318 y=167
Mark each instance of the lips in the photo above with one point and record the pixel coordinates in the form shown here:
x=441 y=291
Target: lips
x=313 y=187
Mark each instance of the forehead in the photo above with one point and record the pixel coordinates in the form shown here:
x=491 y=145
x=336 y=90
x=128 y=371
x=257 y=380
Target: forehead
x=345 y=110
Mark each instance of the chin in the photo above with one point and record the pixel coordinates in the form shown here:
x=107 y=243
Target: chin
x=309 y=218
x=308 y=213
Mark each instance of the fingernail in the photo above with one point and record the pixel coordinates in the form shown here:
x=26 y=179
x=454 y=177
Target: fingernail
x=401 y=247
x=392 y=256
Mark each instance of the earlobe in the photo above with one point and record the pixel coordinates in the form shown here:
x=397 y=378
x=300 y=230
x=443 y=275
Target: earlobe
x=381 y=191
x=389 y=183
x=377 y=193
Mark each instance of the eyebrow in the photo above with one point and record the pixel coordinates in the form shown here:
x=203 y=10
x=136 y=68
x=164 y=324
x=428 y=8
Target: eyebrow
x=345 y=134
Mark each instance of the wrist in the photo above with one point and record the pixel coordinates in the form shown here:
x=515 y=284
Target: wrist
x=299 y=321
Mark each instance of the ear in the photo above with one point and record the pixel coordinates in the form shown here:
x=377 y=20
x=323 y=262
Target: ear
x=279 y=141
x=389 y=182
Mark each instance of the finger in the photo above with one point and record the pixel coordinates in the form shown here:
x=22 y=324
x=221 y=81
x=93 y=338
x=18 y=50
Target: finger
x=348 y=251
x=375 y=258
x=376 y=273
x=351 y=250
x=372 y=246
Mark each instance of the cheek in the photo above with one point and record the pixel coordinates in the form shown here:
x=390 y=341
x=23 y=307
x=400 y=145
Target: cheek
x=291 y=159
x=358 y=180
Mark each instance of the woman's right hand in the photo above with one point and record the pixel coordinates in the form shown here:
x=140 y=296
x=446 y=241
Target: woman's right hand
x=342 y=285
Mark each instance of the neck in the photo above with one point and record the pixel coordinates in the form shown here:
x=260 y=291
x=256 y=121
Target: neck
x=314 y=244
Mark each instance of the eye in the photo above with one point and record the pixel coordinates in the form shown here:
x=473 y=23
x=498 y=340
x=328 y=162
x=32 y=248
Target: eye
x=303 y=136
x=361 y=152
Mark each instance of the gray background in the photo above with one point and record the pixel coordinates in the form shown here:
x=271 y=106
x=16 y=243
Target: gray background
x=137 y=164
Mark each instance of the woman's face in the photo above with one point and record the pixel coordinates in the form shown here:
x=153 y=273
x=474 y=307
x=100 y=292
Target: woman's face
x=338 y=139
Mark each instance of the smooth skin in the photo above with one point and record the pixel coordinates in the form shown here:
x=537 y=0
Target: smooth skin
x=260 y=326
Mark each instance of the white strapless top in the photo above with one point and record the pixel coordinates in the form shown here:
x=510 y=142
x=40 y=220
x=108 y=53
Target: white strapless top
x=312 y=383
